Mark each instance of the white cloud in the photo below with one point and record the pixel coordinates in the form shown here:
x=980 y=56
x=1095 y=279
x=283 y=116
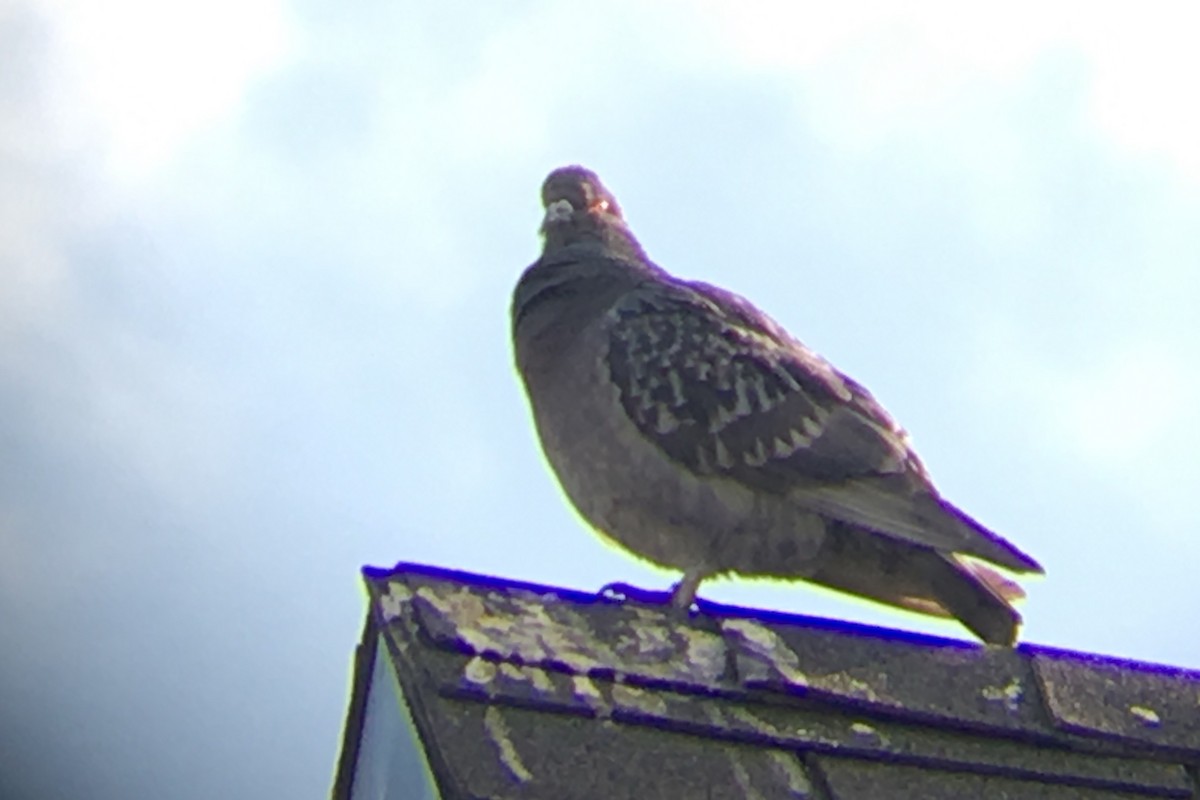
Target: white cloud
x=150 y=74
x=1128 y=408
x=1122 y=415
x=32 y=265
x=1145 y=66
x=873 y=68
x=80 y=371
x=154 y=74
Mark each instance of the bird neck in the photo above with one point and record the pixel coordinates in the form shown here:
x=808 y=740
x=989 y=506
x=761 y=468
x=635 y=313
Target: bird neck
x=563 y=293
x=589 y=237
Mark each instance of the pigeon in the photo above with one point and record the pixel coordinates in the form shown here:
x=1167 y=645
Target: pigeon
x=688 y=427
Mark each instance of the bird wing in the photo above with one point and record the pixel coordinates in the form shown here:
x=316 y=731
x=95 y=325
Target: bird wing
x=724 y=391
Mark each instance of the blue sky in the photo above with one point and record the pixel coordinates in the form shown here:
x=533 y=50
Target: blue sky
x=257 y=258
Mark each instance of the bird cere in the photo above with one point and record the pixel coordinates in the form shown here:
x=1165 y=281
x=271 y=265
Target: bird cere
x=690 y=428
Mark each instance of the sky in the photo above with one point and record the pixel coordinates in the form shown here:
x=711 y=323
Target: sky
x=255 y=267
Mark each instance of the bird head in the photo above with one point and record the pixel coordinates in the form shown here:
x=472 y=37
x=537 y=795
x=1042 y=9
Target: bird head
x=580 y=210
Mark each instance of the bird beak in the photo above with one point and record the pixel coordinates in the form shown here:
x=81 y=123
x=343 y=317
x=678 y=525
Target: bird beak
x=558 y=211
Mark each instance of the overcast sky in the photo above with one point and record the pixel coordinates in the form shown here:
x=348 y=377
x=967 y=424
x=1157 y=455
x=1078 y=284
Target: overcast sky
x=255 y=265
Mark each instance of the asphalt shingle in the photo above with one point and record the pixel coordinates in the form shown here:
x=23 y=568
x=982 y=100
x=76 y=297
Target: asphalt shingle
x=530 y=691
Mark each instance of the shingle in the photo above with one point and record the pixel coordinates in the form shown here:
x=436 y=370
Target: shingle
x=529 y=691
x=517 y=753
x=1148 y=704
x=967 y=685
x=855 y=779
x=796 y=726
x=526 y=627
x=849 y=734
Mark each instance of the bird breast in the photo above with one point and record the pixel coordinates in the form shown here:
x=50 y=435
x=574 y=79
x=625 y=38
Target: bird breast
x=628 y=488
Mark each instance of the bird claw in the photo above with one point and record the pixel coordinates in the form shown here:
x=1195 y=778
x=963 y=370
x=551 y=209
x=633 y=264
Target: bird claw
x=620 y=593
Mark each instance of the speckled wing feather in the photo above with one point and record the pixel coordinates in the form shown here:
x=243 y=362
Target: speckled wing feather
x=725 y=391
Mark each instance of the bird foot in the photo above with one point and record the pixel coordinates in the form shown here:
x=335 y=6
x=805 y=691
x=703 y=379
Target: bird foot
x=618 y=592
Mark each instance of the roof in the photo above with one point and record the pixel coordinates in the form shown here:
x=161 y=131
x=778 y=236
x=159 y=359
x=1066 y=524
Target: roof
x=518 y=690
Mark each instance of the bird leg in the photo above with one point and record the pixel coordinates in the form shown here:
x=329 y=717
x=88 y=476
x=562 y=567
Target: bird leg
x=684 y=593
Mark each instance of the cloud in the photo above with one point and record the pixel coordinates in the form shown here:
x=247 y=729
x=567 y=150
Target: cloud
x=1124 y=411
x=150 y=75
x=1119 y=414
x=94 y=389
x=876 y=68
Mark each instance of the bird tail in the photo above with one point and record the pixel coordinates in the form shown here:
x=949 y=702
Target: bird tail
x=920 y=579
x=976 y=595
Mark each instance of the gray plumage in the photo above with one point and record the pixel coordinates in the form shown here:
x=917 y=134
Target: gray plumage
x=689 y=427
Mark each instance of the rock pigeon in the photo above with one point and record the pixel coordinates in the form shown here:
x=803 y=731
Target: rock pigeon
x=690 y=428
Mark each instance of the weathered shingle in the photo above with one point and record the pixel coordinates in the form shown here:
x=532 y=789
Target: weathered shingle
x=1139 y=703
x=530 y=691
